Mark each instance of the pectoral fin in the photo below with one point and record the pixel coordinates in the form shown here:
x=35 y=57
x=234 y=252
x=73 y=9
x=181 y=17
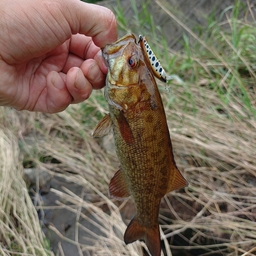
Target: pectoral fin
x=118 y=187
x=103 y=127
x=125 y=128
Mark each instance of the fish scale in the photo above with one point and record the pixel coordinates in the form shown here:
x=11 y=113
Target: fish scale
x=142 y=141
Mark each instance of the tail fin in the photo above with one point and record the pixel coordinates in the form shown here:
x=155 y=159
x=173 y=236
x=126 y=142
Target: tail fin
x=151 y=236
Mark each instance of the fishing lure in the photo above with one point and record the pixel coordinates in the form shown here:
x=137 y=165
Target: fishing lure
x=157 y=68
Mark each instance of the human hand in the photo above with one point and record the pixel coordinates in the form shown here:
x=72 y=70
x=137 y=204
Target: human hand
x=46 y=61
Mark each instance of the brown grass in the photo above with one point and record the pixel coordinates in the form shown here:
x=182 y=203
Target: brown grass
x=20 y=230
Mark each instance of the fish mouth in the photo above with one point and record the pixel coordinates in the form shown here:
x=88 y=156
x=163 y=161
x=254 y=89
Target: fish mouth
x=109 y=53
x=112 y=51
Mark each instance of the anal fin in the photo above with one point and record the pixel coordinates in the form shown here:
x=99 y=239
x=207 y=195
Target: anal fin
x=118 y=187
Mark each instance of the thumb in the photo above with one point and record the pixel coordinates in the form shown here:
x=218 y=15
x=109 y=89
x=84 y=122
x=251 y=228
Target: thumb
x=92 y=20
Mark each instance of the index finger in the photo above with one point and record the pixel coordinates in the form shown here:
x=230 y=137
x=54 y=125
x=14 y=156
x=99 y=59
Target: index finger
x=95 y=21
x=84 y=48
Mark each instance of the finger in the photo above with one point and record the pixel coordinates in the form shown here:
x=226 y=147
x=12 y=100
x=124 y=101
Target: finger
x=57 y=97
x=92 y=72
x=72 y=61
x=82 y=48
x=101 y=62
x=78 y=86
x=92 y=20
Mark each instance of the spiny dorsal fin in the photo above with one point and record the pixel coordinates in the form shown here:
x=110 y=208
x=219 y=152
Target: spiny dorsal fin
x=103 y=127
x=118 y=187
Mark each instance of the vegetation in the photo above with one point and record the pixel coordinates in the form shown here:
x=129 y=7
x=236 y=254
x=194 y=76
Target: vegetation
x=212 y=121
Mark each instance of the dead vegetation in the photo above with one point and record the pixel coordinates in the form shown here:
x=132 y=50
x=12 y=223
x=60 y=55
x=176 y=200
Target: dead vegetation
x=20 y=230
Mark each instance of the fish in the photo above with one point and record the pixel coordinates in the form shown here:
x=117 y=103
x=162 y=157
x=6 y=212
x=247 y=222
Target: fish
x=142 y=141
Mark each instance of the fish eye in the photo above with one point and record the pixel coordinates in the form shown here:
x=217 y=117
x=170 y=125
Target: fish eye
x=132 y=61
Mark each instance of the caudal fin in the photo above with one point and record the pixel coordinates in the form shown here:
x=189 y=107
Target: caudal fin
x=151 y=236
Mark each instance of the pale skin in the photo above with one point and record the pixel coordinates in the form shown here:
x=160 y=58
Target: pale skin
x=50 y=52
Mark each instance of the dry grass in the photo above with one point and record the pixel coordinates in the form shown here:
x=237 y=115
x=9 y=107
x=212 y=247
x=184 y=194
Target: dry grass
x=217 y=155
x=214 y=141
x=20 y=230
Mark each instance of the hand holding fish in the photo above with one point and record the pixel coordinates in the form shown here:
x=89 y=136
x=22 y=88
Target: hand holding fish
x=50 y=52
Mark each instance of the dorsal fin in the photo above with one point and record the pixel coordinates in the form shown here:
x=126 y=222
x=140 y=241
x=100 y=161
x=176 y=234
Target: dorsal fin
x=176 y=180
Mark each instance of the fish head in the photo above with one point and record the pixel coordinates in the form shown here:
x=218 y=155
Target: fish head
x=124 y=61
x=130 y=79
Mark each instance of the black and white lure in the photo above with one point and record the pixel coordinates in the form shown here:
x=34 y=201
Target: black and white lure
x=157 y=68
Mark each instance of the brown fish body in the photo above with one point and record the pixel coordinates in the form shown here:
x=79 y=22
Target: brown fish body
x=147 y=167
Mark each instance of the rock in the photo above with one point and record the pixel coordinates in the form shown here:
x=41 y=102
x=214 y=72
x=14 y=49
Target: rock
x=34 y=176
x=62 y=227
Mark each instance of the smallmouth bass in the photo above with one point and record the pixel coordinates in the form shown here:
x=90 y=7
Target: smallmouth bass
x=143 y=145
